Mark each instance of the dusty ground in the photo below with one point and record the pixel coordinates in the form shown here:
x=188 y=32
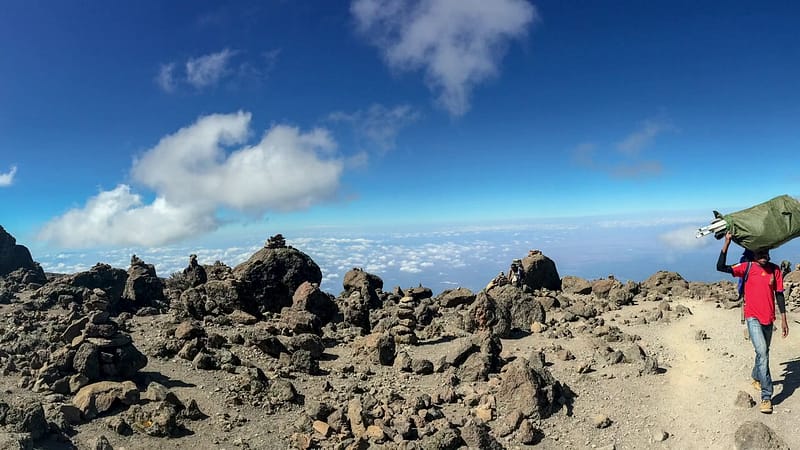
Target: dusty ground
x=690 y=405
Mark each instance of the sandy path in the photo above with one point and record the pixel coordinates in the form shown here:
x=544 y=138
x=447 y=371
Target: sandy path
x=704 y=377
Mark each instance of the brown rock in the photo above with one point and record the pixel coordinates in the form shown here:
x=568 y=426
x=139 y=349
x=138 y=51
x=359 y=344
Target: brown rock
x=99 y=397
x=322 y=428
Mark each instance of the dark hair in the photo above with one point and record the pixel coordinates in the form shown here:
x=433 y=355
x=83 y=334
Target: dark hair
x=761 y=252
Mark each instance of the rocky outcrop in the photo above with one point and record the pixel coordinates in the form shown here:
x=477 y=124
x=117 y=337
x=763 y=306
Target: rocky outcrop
x=367 y=284
x=539 y=272
x=455 y=297
x=309 y=297
x=142 y=287
x=95 y=350
x=664 y=282
x=194 y=273
x=575 y=285
x=102 y=284
x=17 y=268
x=14 y=256
x=269 y=279
x=528 y=388
x=502 y=310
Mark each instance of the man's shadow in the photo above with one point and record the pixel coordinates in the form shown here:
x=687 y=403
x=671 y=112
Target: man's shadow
x=790 y=382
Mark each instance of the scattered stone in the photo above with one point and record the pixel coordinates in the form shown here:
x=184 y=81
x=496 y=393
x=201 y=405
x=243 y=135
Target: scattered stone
x=744 y=400
x=101 y=443
x=700 y=335
x=601 y=421
x=660 y=436
x=754 y=435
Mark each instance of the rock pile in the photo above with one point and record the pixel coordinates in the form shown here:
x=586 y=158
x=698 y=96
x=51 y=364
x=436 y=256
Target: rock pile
x=95 y=350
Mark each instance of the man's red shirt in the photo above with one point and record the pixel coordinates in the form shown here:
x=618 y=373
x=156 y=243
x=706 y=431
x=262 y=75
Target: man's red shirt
x=759 y=290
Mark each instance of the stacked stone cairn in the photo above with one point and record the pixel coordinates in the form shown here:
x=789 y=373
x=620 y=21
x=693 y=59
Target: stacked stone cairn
x=95 y=350
x=403 y=331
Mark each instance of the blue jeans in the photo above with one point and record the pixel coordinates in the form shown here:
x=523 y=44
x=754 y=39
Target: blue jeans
x=760 y=336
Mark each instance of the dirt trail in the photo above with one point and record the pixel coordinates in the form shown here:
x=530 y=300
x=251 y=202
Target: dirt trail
x=704 y=377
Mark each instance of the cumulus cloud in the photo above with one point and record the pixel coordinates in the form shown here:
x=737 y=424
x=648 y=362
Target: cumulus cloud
x=120 y=217
x=207 y=70
x=624 y=159
x=286 y=170
x=377 y=127
x=200 y=169
x=683 y=239
x=7 y=179
x=457 y=43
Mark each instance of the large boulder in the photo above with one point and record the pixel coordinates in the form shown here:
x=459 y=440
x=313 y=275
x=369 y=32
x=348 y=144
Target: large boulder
x=14 y=256
x=213 y=298
x=143 y=287
x=309 y=297
x=453 y=297
x=539 y=272
x=529 y=389
x=664 y=282
x=99 y=288
x=575 y=285
x=502 y=310
x=272 y=275
x=194 y=273
x=522 y=308
x=369 y=285
x=486 y=314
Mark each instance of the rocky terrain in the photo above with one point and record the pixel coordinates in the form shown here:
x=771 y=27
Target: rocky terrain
x=258 y=357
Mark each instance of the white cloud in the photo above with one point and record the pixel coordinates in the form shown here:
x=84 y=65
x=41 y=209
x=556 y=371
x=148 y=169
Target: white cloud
x=683 y=239
x=7 y=179
x=120 y=217
x=193 y=173
x=458 y=43
x=207 y=70
x=378 y=126
x=632 y=144
x=285 y=170
x=166 y=77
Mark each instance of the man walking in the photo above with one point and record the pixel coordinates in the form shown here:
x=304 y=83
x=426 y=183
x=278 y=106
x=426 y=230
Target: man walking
x=763 y=286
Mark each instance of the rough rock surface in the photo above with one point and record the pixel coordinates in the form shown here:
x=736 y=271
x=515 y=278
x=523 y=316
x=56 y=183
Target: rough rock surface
x=14 y=256
x=539 y=271
x=270 y=277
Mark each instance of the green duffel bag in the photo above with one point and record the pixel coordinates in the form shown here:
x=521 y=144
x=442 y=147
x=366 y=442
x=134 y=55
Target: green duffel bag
x=765 y=226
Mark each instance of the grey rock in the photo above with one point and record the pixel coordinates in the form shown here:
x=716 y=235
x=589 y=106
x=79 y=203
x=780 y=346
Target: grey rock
x=753 y=435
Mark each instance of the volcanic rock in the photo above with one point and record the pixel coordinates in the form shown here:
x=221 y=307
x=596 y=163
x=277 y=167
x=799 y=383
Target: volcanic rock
x=272 y=275
x=755 y=435
x=309 y=297
x=455 y=297
x=14 y=256
x=539 y=271
x=142 y=287
x=367 y=284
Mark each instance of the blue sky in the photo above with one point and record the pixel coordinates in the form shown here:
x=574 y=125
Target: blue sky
x=147 y=126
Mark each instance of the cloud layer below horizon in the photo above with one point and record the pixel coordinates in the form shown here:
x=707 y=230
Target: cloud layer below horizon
x=467 y=257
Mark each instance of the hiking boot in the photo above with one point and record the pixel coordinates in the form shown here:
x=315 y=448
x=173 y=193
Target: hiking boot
x=766 y=407
x=756 y=384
